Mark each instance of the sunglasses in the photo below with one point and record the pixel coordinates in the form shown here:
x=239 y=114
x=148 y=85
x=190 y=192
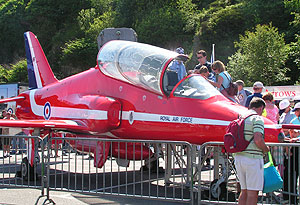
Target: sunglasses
x=199 y=57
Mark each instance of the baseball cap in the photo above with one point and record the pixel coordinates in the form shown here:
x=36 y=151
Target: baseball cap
x=284 y=104
x=297 y=106
x=179 y=50
x=258 y=84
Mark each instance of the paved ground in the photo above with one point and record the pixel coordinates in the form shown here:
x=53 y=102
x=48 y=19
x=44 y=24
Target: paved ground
x=29 y=196
x=82 y=171
x=24 y=196
x=76 y=172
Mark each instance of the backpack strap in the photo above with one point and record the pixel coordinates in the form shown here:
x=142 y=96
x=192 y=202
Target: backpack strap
x=249 y=116
x=245 y=119
x=227 y=76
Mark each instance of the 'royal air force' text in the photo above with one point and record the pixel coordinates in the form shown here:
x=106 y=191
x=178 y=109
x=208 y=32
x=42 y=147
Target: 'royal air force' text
x=164 y=118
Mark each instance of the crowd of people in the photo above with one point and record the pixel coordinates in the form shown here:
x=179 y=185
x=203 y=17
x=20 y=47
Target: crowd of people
x=215 y=73
x=249 y=163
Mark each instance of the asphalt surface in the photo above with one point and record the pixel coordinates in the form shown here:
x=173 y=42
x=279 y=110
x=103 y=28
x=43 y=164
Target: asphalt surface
x=12 y=196
x=14 y=190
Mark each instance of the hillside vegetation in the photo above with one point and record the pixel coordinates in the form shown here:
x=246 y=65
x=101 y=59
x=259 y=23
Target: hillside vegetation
x=256 y=39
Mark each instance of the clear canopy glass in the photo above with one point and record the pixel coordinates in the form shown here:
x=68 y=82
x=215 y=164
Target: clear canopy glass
x=196 y=87
x=143 y=65
x=136 y=63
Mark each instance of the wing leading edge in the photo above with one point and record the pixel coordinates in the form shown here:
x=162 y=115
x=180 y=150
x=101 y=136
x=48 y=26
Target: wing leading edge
x=68 y=125
x=12 y=99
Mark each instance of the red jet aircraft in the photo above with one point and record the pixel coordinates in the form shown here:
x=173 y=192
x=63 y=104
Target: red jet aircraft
x=127 y=95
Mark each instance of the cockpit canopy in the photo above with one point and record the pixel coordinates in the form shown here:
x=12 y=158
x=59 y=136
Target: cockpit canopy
x=136 y=63
x=143 y=65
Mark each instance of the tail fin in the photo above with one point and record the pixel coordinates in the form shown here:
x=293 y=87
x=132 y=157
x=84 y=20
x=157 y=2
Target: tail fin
x=39 y=71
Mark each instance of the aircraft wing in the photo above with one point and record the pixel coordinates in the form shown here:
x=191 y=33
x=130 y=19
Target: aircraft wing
x=12 y=99
x=68 y=125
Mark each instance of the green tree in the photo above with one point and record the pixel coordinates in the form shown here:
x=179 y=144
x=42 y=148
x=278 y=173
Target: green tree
x=265 y=12
x=221 y=25
x=14 y=73
x=164 y=23
x=3 y=74
x=80 y=53
x=18 y=72
x=293 y=61
x=55 y=23
x=222 y=21
x=67 y=30
x=157 y=27
x=12 y=26
x=126 y=13
x=91 y=22
x=261 y=57
x=293 y=6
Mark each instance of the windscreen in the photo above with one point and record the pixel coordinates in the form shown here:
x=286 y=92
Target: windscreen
x=196 y=87
x=136 y=63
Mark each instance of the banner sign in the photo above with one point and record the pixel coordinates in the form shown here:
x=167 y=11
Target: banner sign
x=290 y=92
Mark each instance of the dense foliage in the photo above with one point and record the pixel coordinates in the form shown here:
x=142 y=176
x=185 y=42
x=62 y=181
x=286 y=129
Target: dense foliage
x=261 y=56
x=251 y=36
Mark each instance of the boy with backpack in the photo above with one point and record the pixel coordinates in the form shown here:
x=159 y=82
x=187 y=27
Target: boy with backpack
x=249 y=163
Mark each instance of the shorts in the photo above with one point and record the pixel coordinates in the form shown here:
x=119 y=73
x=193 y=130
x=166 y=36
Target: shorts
x=250 y=172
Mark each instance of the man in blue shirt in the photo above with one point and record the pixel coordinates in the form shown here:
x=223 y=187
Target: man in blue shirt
x=178 y=65
x=257 y=89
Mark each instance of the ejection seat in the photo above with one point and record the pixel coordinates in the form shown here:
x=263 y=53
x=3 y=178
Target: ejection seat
x=170 y=80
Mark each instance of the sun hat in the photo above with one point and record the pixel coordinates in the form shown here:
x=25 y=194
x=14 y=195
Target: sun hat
x=297 y=106
x=258 y=84
x=240 y=82
x=284 y=104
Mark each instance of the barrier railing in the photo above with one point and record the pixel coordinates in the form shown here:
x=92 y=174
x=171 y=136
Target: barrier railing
x=219 y=184
x=124 y=173
x=168 y=171
x=14 y=163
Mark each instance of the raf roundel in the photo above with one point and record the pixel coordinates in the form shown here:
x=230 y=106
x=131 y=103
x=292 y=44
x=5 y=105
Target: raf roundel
x=10 y=110
x=47 y=111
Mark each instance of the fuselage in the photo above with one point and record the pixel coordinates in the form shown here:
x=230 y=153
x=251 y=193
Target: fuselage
x=144 y=115
x=128 y=95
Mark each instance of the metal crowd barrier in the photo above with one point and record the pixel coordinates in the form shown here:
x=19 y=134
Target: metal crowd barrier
x=61 y=167
x=218 y=183
x=179 y=171
x=14 y=167
x=168 y=179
